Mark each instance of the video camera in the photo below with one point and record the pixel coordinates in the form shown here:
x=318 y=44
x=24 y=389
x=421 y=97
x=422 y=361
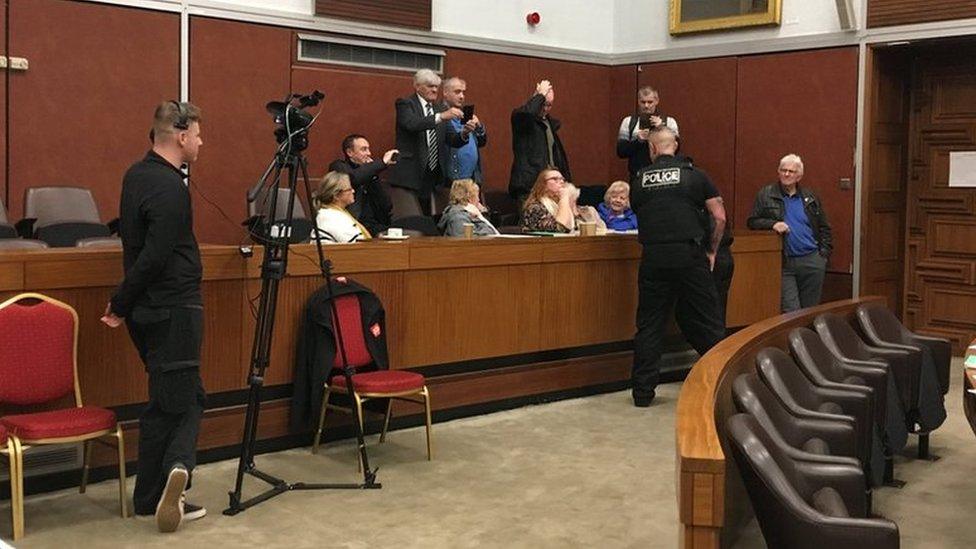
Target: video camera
x=292 y=120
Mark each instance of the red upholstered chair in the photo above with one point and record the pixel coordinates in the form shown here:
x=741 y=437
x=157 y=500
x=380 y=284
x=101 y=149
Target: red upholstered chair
x=388 y=384
x=38 y=365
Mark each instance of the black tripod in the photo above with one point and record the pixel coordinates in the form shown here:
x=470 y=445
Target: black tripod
x=275 y=237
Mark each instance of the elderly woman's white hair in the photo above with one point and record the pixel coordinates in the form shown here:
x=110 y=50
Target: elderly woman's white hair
x=425 y=77
x=614 y=188
x=792 y=159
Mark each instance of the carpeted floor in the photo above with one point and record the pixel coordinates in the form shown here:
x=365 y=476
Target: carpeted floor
x=592 y=472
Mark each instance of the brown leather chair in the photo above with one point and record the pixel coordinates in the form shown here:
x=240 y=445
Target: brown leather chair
x=803 y=505
x=883 y=329
x=804 y=399
x=816 y=440
x=921 y=397
x=61 y=216
x=6 y=229
x=259 y=211
x=99 y=242
x=405 y=203
x=22 y=244
x=825 y=370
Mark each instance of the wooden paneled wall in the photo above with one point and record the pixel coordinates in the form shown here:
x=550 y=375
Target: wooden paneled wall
x=884 y=13
x=406 y=13
x=81 y=114
x=739 y=115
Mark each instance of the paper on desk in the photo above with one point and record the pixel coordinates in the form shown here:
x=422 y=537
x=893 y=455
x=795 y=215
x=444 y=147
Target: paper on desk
x=971 y=361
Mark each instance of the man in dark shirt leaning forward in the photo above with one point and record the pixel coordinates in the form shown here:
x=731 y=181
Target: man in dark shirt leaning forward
x=159 y=299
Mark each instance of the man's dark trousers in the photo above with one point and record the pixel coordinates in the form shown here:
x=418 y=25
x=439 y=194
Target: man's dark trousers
x=168 y=342
x=662 y=283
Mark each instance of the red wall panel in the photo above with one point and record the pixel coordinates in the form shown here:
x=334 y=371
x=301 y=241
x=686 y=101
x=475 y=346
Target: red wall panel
x=81 y=114
x=581 y=104
x=700 y=95
x=623 y=101
x=235 y=69
x=803 y=103
x=496 y=85
x=355 y=102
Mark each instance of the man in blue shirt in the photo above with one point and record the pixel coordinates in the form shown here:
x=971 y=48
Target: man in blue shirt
x=464 y=161
x=796 y=214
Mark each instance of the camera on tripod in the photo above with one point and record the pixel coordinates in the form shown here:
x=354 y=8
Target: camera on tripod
x=292 y=120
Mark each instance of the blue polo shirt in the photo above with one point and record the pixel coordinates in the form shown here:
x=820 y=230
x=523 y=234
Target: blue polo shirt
x=465 y=158
x=800 y=240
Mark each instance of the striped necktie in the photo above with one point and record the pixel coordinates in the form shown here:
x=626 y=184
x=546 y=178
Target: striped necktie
x=431 y=142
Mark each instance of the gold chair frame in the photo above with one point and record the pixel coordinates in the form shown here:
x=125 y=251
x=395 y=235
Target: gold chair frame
x=14 y=452
x=417 y=396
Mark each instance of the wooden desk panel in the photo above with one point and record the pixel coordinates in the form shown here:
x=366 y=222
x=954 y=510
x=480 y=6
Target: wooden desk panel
x=447 y=301
x=470 y=313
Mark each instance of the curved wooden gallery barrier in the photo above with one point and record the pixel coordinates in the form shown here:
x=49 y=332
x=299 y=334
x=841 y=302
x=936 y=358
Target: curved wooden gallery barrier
x=712 y=503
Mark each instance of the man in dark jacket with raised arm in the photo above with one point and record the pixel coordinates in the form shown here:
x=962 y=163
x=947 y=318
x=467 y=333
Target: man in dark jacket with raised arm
x=160 y=301
x=372 y=205
x=535 y=142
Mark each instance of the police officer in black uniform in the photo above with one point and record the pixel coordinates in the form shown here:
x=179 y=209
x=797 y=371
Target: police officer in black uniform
x=675 y=268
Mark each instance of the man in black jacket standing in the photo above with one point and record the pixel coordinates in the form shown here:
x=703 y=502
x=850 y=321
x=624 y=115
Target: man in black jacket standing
x=678 y=256
x=160 y=301
x=421 y=123
x=796 y=214
x=535 y=142
x=372 y=205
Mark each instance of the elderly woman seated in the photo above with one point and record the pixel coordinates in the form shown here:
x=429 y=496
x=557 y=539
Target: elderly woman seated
x=551 y=206
x=615 y=209
x=334 y=223
x=465 y=208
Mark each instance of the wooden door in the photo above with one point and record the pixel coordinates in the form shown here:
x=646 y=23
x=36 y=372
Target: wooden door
x=940 y=293
x=885 y=171
x=81 y=114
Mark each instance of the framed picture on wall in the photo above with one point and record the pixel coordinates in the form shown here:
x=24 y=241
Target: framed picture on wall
x=711 y=15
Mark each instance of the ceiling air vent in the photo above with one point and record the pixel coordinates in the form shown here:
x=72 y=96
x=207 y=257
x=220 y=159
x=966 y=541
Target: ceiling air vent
x=362 y=53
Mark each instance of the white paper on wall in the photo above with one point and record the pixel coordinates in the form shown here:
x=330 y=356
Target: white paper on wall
x=962 y=169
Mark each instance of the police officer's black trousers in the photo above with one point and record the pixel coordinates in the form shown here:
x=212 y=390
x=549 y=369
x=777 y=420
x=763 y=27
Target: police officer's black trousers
x=170 y=423
x=662 y=285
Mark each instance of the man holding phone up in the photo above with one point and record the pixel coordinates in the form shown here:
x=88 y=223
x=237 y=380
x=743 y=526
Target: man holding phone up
x=464 y=158
x=634 y=130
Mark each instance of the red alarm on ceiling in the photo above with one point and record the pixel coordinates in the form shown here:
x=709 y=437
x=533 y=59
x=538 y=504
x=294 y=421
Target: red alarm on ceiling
x=533 y=18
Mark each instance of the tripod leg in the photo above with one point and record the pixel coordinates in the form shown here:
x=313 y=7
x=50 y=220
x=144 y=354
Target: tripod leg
x=359 y=417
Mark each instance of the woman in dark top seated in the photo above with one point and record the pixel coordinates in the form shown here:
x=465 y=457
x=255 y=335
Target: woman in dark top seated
x=550 y=206
x=465 y=208
x=615 y=210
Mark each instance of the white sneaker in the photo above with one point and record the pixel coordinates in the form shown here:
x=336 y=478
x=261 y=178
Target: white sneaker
x=169 y=510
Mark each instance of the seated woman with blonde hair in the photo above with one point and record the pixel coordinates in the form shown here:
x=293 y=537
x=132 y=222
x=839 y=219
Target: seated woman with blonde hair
x=465 y=208
x=551 y=205
x=615 y=209
x=334 y=223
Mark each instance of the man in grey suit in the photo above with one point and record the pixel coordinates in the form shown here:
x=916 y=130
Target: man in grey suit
x=421 y=123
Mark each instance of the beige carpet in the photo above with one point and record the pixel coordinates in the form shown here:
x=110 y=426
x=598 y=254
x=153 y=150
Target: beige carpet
x=592 y=472
x=586 y=472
